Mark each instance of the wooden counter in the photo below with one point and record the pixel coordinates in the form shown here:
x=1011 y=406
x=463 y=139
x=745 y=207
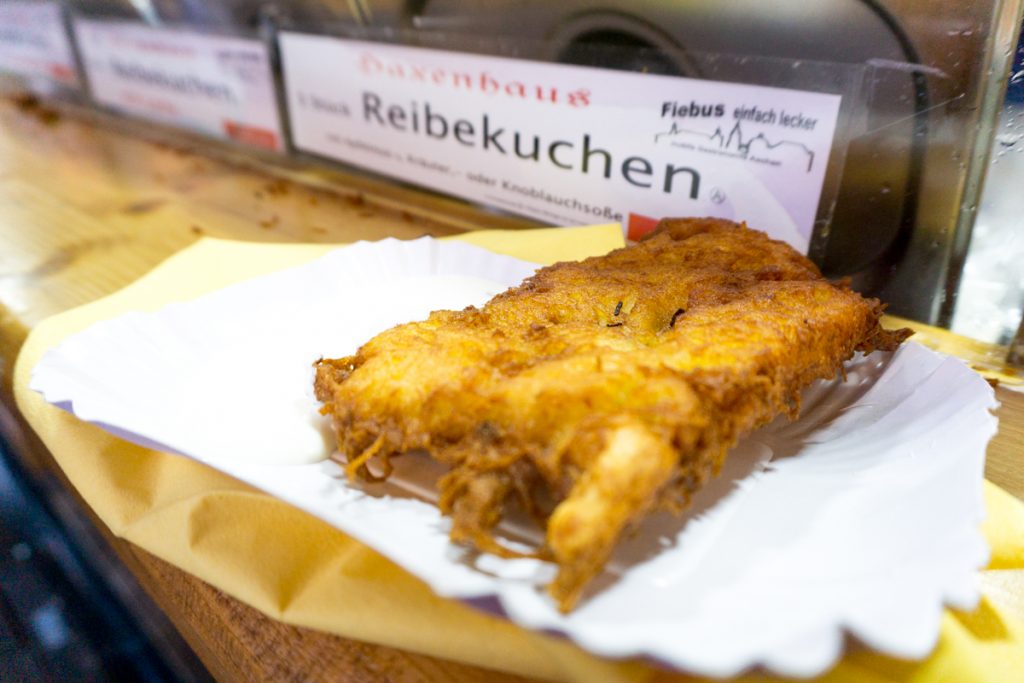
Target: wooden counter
x=87 y=205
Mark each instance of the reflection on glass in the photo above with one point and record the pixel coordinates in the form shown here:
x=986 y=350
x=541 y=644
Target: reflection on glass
x=991 y=294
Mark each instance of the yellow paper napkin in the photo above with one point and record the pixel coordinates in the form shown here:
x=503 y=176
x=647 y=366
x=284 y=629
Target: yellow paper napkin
x=296 y=568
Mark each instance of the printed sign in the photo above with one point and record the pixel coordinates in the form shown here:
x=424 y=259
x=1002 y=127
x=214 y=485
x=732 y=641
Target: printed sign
x=564 y=144
x=217 y=85
x=34 y=44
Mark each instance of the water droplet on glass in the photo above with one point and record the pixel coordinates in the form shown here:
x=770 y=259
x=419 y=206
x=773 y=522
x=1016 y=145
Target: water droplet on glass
x=1008 y=138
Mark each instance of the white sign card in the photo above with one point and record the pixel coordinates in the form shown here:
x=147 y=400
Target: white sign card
x=217 y=85
x=564 y=144
x=34 y=44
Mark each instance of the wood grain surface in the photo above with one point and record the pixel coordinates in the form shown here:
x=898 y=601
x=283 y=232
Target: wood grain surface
x=84 y=211
x=1004 y=463
x=238 y=643
x=86 y=208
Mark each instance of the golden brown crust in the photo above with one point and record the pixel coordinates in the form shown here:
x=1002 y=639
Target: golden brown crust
x=598 y=391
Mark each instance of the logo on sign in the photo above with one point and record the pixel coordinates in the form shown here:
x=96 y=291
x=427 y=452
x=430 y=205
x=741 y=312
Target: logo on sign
x=736 y=142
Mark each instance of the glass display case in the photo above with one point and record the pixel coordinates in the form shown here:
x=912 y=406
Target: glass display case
x=922 y=91
x=934 y=73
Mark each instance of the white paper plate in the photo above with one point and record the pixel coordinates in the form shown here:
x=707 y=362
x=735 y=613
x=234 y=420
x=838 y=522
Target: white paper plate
x=861 y=517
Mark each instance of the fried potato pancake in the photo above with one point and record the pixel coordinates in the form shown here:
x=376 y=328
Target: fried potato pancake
x=599 y=391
